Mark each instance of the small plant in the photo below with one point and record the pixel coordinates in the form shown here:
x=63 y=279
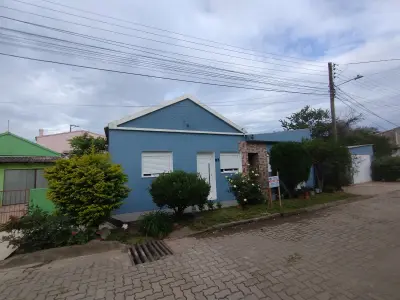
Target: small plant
x=40 y=230
x=246 y=188
x=219 y=205
x=200 y=207
x=178 y=190
x=156 y=224
x=210 y=205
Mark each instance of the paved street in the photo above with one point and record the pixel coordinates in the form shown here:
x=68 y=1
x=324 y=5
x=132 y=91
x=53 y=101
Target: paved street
x=345 y=252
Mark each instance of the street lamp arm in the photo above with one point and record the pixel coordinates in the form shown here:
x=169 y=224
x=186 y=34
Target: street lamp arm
x=355 y=78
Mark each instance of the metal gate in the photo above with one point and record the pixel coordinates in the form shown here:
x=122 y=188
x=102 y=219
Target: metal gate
x=13 y=204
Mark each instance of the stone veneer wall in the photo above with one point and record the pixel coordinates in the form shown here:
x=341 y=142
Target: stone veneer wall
x=261 y=149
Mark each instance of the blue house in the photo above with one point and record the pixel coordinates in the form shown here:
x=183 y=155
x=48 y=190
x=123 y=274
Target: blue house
x=184 y=134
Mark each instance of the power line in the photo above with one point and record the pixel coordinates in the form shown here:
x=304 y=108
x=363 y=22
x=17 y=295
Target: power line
x=163 y=30
x=153 y=76
x=129 y=57
x=100 y=105
x=367 y=62
x=120 y=44
x=348 y=97
x=354 y=110
x=163 y=42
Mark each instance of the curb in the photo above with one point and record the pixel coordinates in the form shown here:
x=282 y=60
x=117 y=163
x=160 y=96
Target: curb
x=312 y=208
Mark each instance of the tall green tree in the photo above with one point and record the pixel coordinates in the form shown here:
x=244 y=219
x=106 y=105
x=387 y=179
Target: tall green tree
x=368 y=135
x=85 y=144
x=317 y=120
x=349 y=134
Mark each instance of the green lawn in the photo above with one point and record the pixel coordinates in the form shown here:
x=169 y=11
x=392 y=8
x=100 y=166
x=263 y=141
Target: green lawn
x=229 y=214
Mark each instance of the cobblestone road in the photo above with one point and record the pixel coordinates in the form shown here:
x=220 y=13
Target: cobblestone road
x=346 y=252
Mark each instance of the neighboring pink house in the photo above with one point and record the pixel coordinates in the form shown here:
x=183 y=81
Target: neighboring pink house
x=59 y=142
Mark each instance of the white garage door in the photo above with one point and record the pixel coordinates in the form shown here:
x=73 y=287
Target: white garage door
x=362 y=167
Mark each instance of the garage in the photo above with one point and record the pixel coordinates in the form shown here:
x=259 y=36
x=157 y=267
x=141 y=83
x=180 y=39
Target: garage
x=362 y=158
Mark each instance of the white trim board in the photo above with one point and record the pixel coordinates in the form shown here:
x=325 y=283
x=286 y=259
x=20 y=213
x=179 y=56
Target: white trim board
x=113 y=127
x=144 y=112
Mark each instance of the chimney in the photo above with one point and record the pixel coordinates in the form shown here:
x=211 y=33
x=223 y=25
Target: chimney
x=41 y=132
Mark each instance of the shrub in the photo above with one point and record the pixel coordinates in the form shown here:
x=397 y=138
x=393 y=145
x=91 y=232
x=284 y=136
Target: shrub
x=210 y=205
x=156 y=224
x=40 y=230
x=293 y=162
x=245 y=188
x=178 y=190
x=219 y=205
x=87 y=188
x=386 y=168
x=332 y=161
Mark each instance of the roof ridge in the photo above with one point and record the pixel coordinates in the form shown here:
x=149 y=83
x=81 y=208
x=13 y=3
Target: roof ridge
x=60 y=133
x=30 y=142
x=150 y=110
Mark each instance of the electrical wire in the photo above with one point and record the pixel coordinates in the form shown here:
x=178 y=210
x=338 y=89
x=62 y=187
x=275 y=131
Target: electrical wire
x=369 y=61
x=153 y=76
x=351 y=99
x=345 y=102
x=242 y=76
x=143 y=31
x=117 y=43
x=173 y=32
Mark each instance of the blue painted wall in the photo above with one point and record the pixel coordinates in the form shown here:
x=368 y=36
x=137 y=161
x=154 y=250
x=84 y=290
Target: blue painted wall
x=126 y=147
x=281 y=136
x=184 y=115
x=362 y=150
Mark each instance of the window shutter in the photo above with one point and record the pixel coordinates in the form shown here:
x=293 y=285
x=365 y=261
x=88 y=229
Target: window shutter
x=156 y=163
x=230 y=162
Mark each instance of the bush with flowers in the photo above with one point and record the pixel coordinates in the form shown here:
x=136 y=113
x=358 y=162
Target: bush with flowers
x=246 y=188
x=41 y=230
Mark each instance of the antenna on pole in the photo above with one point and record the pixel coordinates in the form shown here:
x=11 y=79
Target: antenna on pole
x=8 y=125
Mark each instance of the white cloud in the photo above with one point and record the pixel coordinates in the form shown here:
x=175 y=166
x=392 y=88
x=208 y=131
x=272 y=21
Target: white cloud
x=338 y=31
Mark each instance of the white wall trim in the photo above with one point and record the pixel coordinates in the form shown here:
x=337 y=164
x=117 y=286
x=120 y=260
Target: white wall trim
x=173 y=130
x=168 y=103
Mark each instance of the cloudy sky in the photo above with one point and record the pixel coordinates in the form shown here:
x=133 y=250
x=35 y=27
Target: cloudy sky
x=272 y=54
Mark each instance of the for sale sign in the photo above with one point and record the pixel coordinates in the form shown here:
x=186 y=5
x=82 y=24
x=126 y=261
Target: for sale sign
x=273 y=181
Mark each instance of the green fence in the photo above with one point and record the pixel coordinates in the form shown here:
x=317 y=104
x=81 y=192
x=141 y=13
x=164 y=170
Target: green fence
x=38 y=197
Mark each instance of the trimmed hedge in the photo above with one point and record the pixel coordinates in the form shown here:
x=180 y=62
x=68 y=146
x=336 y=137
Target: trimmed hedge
x=386 y=169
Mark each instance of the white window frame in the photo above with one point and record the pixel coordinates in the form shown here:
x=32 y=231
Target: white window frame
x=148 y=153
x=230 y=170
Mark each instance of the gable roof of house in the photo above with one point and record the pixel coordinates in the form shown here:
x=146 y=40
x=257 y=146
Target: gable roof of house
x=115 y=124
x=10 y=145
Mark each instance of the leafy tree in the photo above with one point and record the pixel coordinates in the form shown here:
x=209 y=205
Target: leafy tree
x=293 y=162
x=85 y=144
x=368 y=135
x=178 y=190
x=332 y=163
x=87 y=188
x=317 y=120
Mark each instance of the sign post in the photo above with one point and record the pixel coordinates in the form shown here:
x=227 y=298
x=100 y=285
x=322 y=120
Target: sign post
x=279 y=191
x=273 y=182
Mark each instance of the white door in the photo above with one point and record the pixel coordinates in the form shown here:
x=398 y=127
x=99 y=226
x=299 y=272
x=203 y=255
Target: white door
x=206 y=169
x=362 y=168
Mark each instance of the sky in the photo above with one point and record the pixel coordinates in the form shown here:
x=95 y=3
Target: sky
x=274 y=53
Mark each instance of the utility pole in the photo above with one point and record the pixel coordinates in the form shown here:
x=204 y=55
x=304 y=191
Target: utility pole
x=72 y=126
x=332 y=96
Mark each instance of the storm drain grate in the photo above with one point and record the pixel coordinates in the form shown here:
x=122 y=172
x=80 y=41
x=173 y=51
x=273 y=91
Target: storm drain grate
x=149 y=251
